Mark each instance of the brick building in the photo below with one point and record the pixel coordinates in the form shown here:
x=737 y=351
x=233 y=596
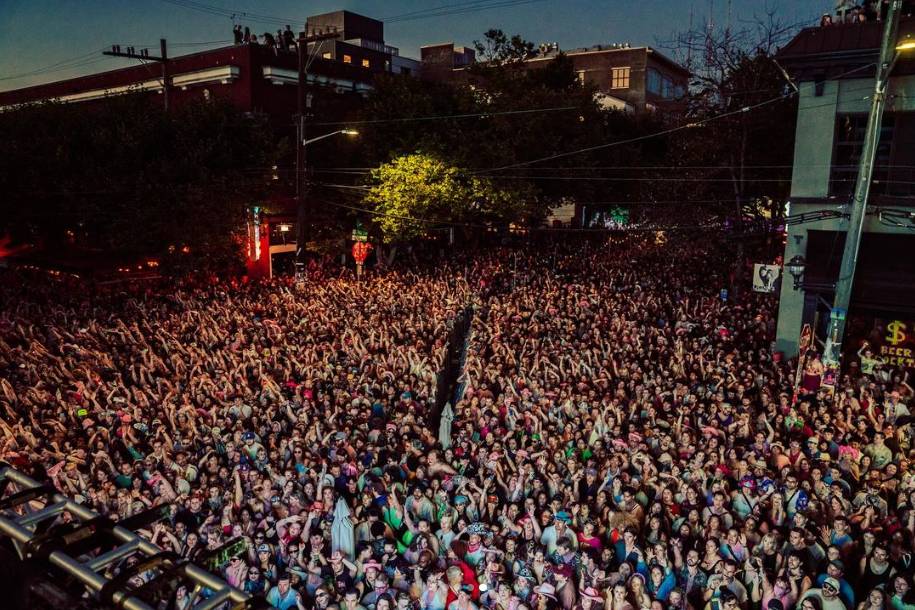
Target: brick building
x=634 y=79
x=253 y=77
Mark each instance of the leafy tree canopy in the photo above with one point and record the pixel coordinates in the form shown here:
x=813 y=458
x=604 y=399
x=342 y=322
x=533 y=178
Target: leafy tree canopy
x=124 y=177
x=417 y=191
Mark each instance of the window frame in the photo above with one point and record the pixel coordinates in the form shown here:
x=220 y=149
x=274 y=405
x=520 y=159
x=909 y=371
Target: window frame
x=654 y=73
x=625 y=77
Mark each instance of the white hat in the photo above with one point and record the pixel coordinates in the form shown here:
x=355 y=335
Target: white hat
x=547 y=590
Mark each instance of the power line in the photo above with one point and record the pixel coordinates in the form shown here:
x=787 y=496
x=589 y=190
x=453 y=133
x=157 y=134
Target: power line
x=645 y=179
x=92 y=58
x=669 y=131
x=671 y=227
x=365 y=170
x=450 y=116
x=639 y=138
x=457 y=10
x=452 y=6
x=218 y=11
x=460 y=8
x=197 y=44
x=66 y=64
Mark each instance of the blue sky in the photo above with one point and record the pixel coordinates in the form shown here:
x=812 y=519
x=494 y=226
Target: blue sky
x=47 y=40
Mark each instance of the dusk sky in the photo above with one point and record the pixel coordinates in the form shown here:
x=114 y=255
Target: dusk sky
x=47 y=40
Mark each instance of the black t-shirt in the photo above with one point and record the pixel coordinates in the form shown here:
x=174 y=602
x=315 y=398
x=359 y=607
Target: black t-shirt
x=192 y=520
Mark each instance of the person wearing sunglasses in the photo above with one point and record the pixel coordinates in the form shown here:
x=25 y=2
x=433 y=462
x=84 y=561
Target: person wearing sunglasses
x=254 y=583
x=826 y=596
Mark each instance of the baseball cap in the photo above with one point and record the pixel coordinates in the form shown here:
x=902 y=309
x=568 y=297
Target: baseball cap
x=831 y=583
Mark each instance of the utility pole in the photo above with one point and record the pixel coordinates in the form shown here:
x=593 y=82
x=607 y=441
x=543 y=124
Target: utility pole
x=143 y=55
x=303 y=214
x=888 y=55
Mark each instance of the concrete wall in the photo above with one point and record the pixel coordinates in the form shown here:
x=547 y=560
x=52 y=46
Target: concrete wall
x=792 y=302
x=813 y=150
x=816 y=118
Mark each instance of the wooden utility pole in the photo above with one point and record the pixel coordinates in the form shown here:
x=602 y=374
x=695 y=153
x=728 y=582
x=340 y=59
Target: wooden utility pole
x=143 y=55
x=303 y=215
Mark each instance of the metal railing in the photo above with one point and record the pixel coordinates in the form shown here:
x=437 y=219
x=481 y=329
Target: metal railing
x=27 y=509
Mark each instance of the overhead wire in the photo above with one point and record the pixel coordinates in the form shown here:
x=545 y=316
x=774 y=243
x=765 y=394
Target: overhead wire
x=438 y=117
x=445 y=11
x=691 y=125
x=453 y=5
x=66 y=64
x=460 y=8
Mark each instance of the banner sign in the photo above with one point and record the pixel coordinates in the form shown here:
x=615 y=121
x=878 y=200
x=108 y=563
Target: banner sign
x=898 y=347
x=765 y=277
x=803 y=345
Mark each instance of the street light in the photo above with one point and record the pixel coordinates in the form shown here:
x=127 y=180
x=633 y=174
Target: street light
x=346 y=132
x=303 y=215
x=795 y=268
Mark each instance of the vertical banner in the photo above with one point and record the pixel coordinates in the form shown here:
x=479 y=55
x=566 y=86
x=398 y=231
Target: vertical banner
x=803 y=345
x=765 y=277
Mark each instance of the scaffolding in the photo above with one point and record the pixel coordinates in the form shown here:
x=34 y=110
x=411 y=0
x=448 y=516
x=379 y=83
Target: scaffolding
x=49 y=530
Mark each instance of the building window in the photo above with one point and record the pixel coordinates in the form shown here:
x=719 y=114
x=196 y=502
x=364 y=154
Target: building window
x=849 y=141
x=654 y=81
x=327 y=55
x=619 y=78
x=667 y=88
x=819 y=85
x=366 y=63
x=347 y=59
x=581 y=77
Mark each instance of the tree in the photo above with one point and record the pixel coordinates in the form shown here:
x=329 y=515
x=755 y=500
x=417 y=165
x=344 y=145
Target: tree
x=504 y=118
x=737 y=160
x=416 y=192
x=123 y=177
x=497 y=49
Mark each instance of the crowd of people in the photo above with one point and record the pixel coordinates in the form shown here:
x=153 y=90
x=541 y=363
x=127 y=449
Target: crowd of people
x=284 y=40
x=625 y=438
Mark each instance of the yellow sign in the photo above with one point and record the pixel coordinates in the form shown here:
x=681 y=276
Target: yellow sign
x=899 y=349
x=896 y=330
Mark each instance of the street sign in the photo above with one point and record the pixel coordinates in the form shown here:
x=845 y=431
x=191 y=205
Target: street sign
x=619 y=216
x=360 y=235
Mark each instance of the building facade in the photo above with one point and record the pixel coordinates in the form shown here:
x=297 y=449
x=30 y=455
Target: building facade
x=633 y=79
x=253 y=77
x=834 y=70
